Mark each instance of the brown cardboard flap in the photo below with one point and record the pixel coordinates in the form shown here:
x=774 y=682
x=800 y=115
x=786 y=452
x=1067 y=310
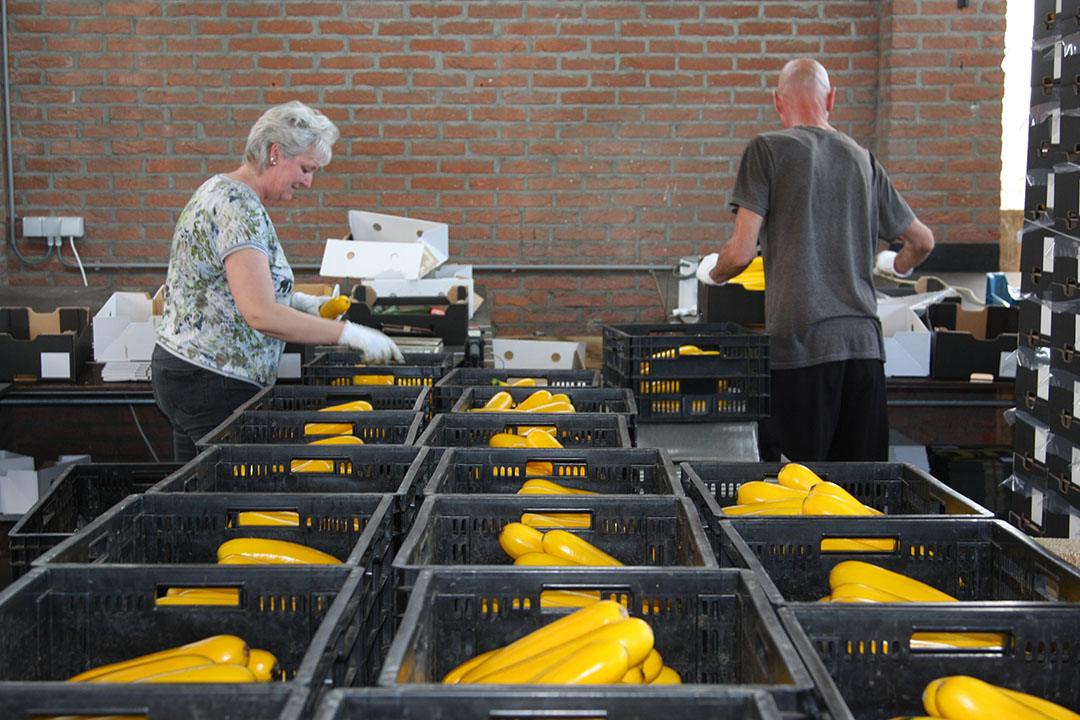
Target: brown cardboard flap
x=972 y=321
x=49 y=323
x=158 y=301
x=456 y=295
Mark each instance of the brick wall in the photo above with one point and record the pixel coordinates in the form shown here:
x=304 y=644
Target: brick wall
x=602 y=133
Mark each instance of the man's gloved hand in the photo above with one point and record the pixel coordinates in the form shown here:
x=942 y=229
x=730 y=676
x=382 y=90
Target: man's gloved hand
x=376 y=348
x=885 y=266
x=705 y=266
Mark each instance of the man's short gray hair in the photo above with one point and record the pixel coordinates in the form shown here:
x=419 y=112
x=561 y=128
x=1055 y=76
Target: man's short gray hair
x=295 y=127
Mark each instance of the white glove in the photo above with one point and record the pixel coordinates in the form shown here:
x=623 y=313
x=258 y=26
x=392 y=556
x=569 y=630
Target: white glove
x=376 y=348
x=705 y=266
x=885 y=266
x=308 y=303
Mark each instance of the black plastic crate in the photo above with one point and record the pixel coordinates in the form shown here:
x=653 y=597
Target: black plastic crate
x=347 y=368
x=976 y=472
x=282 y=427
x=444 y=361
x=80 y=494
x=160 y=701
x=58 y=621
x=865 y=651
x=572 y=430
x=313 y=397
x=400 y=470
x=348 y=649
x=608 y=471
x=450 y=388
x=733 y=384
x=566 y=702
x=266 y=468
x=587 y=400
x=714 y=627
x=185 y=528
x=978 y=559
x=898 y=489
x=464 y=531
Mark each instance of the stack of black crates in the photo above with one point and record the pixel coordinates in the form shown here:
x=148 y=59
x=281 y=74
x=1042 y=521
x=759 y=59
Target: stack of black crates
x=708 y=372
x=1045 y=485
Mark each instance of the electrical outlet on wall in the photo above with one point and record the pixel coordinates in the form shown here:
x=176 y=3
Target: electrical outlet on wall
x=71 y=227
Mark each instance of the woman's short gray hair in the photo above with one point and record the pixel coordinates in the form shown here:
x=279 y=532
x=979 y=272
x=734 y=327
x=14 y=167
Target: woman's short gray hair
x=295 y=127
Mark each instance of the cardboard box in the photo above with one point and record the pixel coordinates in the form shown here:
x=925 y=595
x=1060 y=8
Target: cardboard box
x=1035 y=323
x=44 y=346
x=907 y=341
x=125 y=328
x=445 y=287
x=21 y=485
x=444 y=316
x=542 y=354
x=966 y=342
x=1037 y=262
x=386 y=246
x=1033 y=390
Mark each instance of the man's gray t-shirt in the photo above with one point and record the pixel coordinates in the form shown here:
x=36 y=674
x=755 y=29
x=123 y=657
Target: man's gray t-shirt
x=825 y=201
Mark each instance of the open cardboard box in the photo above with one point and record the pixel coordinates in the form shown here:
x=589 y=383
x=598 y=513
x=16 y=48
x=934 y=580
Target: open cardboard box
x=907 y=340
x=444 y=316
x=125 y=328
x=972 y=341
x=44 y=346
x=445 y=283
x=386 y=246
x=543 y=354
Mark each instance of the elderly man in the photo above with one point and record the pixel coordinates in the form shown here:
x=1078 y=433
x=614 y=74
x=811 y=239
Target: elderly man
x=818 y=203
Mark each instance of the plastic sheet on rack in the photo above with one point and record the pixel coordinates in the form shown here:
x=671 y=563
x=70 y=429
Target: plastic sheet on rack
x=1032 y=358
x=1044 y=501
x=1057 y=243
x=1036 y=435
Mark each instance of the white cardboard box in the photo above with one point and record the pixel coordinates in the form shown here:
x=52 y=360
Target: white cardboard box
x=907 y=341
x=21 y=485
x=125 y=328
x=538 y=354
x=386 y=246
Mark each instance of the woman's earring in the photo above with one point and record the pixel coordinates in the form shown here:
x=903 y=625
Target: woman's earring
x=273 y=161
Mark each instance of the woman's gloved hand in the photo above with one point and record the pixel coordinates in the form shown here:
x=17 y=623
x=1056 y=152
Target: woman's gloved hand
x=376 y=348
x=705 y=267
x=308 y=303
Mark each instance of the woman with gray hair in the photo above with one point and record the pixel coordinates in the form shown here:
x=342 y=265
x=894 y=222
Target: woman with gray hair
x=229 y=302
